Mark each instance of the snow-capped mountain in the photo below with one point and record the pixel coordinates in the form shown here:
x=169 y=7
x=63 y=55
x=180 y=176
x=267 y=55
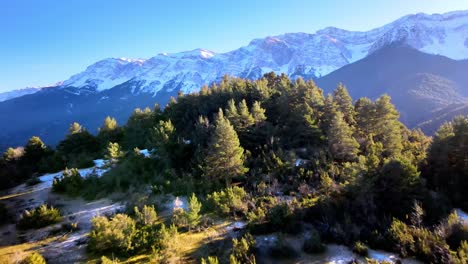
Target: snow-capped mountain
x=398 y=59
x=296 y=54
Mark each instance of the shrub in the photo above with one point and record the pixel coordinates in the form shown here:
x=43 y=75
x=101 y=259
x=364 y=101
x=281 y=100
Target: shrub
x=210 y=260
x=360 y=249
x=112 y=235
x=454 y=231
x=193 y=215
x=314 y=244
x=147 y=216
x=279 y=215
x=168 y=239
x=419 y=242
x=461 y=256
x=39 y=217
x=70 y=182
x=106 y=260
x=242 y=250
x=232 y=200
x=34 y=258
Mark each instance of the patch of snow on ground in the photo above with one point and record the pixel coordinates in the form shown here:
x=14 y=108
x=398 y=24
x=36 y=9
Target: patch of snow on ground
x=99 y=163
x=48 y=179
x=237 y=225
x=145 y=153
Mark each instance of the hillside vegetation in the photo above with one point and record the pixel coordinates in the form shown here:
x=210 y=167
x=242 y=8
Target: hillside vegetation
x=275 y=154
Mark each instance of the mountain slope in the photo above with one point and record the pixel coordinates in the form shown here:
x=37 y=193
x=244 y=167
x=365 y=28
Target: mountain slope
x=296 y=54
x=419 y=83
x=17 y=93
x=398 y=58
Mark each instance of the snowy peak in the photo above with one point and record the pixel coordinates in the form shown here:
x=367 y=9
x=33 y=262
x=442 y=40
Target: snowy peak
x=192 y=54
x=296 y=54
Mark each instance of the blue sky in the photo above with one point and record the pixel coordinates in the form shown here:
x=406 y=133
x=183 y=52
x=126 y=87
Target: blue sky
x=43 y=42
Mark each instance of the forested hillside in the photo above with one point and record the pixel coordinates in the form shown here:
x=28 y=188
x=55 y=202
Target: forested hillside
x=278 y=154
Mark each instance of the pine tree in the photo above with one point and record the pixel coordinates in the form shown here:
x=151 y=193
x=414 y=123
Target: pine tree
x=225 y=158
x=35 y=149
x=75 y=128
x=147 y=216
x=344 y=104
x=329 y=112
x=114 y=152
x=258 y=113
x=35 y=152
x=193 y=214
x=388 y=128
x=245 y=118
x=110 y=124
x=365 y=118
x=341 y=142
x=109 y=132
x=167 y=142
x=231 y=112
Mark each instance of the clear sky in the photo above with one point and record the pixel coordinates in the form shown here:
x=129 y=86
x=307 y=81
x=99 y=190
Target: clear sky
x=44 y=41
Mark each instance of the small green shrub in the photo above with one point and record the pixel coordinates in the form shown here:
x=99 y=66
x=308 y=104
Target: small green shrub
x=242 y=250
x=420 y=242
x=454 y=230
x=147 y=216
x=106 y=260
x=70 y=182
x=112 y=235
x=210 y=260
x=461 y=256
x=39 y=217
x=232 y=200
x=280 y=215
x=34 y=258
x=314 y=244
x=360 y=249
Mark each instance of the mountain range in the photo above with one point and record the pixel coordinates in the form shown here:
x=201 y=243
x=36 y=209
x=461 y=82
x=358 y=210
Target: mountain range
x=420 y=60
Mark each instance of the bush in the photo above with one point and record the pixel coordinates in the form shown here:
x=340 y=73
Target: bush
x=106 y=260
x=242 y=250
x=280 y=215
x=70 y=182
x=314 y=244
x=454 y=231
x=112 y=235
x=34 y=258
x=232 y=200
x=419 y=242
x=360 y=249
x=39 y=217
x=147 y=216
x=461 y=256
x=210 y=260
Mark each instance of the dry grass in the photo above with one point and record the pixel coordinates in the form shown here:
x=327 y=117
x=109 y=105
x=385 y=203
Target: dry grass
x=16 y=253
